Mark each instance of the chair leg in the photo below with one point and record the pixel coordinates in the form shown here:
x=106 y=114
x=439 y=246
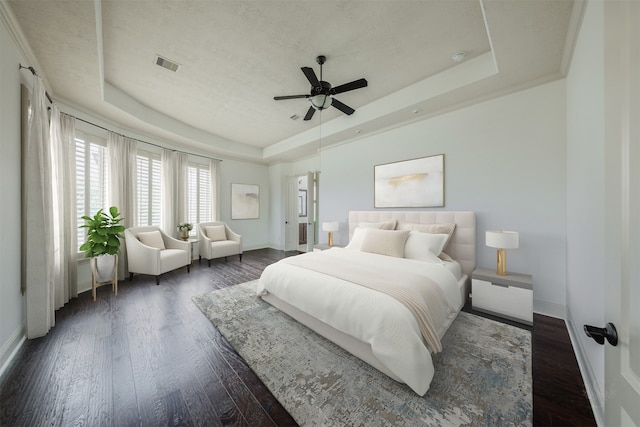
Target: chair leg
x=225 y=259
x=188 y=268
x=240 y=257
x=209 y=262
x=199 y=259
x=157 y=280
x=130 y=276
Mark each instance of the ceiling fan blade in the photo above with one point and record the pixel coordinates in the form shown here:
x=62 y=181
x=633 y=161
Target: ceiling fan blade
x=356 y=84
x=342 y=107
x=278 y=98
x=311 y=76
x=309 y=114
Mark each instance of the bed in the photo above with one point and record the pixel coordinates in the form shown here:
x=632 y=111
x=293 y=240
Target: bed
x=343 y=293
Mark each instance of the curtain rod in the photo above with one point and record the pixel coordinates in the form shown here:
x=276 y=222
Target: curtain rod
x=136 y=139
x=33 y=71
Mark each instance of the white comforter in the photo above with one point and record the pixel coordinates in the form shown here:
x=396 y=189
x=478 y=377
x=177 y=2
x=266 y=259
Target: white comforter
x=370 y=316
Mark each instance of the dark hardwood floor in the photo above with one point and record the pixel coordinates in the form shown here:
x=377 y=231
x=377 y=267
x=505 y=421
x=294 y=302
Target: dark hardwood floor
x=149 y=357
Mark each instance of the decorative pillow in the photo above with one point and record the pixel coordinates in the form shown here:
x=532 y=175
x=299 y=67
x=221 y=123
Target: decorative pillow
x=384 y=225
x=430 y=228
x=216 y=232
x=385 y=242
x=357 y=238
x=424 y=246
x=445 y=256
x=152 y=239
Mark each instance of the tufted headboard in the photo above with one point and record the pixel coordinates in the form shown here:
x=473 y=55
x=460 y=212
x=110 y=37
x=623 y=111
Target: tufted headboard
x=462 y=246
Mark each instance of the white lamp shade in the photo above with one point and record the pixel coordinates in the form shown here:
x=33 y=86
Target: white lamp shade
x=321 y=102
x=502 y=239
x=330 y=226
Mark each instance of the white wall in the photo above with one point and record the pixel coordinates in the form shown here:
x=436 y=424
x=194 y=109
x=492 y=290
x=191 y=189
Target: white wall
x=255 y=232
x=12 y=310
x=504 y=159
x=586 y=196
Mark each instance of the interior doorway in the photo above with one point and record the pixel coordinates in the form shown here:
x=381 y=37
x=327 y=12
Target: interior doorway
x=302 y=207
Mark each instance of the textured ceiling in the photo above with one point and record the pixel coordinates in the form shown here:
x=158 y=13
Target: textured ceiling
x=235 y=56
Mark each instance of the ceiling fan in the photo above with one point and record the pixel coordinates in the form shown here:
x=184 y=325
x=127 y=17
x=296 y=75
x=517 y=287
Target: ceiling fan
x=321 y=95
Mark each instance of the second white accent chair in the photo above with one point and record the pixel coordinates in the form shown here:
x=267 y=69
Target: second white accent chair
x=151 y=251
x=217 y=240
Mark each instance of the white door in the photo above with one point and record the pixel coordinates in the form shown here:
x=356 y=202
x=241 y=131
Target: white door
x=311 y=210
x=622 y=156
x=291 y=214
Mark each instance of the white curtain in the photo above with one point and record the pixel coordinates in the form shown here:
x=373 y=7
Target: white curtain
x=122 y=185
x=38 y=230
x=168 y=192
x=181 y=188
x=65 y=223
x=214 y=174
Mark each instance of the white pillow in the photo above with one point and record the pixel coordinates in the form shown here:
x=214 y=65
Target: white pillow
x=444 y=228
x=357 y=238
x=152 y=238
x=216 y=232
x=384 y=225
x=425 y=246
x=385 y=242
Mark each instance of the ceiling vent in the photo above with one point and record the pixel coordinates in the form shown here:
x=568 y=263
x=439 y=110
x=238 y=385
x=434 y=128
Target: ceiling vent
x=168 y=64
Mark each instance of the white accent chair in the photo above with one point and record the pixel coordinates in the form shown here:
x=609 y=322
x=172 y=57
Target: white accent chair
x=151 y=251
x=217 y=240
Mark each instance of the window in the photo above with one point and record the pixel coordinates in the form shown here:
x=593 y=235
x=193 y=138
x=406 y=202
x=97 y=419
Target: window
x=198 y=193
x=91 y=179
x=149 y=189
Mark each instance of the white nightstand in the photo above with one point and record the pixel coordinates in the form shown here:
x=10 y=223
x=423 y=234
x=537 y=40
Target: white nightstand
x=509 y=296
x=322 y=247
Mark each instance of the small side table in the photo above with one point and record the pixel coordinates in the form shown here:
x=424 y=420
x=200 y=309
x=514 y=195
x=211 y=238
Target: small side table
x=509 y=296
x=193 y=241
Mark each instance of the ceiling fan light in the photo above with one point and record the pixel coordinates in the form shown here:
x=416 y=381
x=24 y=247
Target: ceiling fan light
x=321 y=102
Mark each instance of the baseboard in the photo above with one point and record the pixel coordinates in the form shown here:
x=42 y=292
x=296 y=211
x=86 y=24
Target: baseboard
x=588 y=377
x=11 y=347
x=550 y=309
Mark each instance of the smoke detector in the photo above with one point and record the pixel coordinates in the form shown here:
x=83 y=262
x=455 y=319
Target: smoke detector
x=457 y=57
x=167 y=63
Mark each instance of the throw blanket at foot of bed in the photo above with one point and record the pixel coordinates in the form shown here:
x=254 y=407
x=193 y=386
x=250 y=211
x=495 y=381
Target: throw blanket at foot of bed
x=321 y=284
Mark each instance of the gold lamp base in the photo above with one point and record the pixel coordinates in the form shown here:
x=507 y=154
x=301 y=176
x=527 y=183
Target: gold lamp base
x=502 y=262
x=330 y=238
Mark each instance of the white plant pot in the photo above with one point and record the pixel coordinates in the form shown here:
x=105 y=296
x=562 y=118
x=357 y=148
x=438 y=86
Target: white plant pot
x=105 y=268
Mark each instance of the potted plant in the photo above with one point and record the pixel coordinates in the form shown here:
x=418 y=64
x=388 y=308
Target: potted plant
x=184 y=228
x=103 y=242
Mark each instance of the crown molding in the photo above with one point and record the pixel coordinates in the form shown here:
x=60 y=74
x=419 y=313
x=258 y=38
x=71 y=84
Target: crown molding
x=10 y=22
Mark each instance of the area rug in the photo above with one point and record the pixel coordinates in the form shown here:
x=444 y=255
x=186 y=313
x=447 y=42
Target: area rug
x=482 y=377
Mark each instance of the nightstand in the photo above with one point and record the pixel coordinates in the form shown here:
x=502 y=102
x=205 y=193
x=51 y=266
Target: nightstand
x=321 y=247
x=509 y=296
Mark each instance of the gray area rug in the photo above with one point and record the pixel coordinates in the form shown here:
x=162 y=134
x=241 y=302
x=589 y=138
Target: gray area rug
x=482 y=377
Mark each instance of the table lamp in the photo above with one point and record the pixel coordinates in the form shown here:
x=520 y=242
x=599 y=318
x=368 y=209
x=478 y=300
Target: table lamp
x=502 y=240
x=330 y=227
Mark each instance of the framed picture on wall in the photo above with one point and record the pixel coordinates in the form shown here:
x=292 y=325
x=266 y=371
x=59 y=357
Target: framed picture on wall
x=245 y=201
x=417 y=183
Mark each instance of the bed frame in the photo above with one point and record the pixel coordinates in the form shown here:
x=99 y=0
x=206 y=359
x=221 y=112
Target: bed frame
x=461 y=248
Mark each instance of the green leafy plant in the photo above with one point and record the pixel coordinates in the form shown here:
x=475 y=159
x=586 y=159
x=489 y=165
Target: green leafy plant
x=185 y=226
x=103 y=233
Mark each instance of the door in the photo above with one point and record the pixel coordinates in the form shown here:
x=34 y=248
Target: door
x=311 y=210
x=622 y=175
x=291 y=214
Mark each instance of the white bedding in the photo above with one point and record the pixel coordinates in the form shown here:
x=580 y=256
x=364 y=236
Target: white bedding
x=370 y=316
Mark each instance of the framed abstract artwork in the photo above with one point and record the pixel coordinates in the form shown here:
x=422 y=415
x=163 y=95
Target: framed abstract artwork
x=417 y=183
x=245 y=201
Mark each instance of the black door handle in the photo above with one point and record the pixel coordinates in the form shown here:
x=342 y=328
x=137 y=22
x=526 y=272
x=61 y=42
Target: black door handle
x=599 y=334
